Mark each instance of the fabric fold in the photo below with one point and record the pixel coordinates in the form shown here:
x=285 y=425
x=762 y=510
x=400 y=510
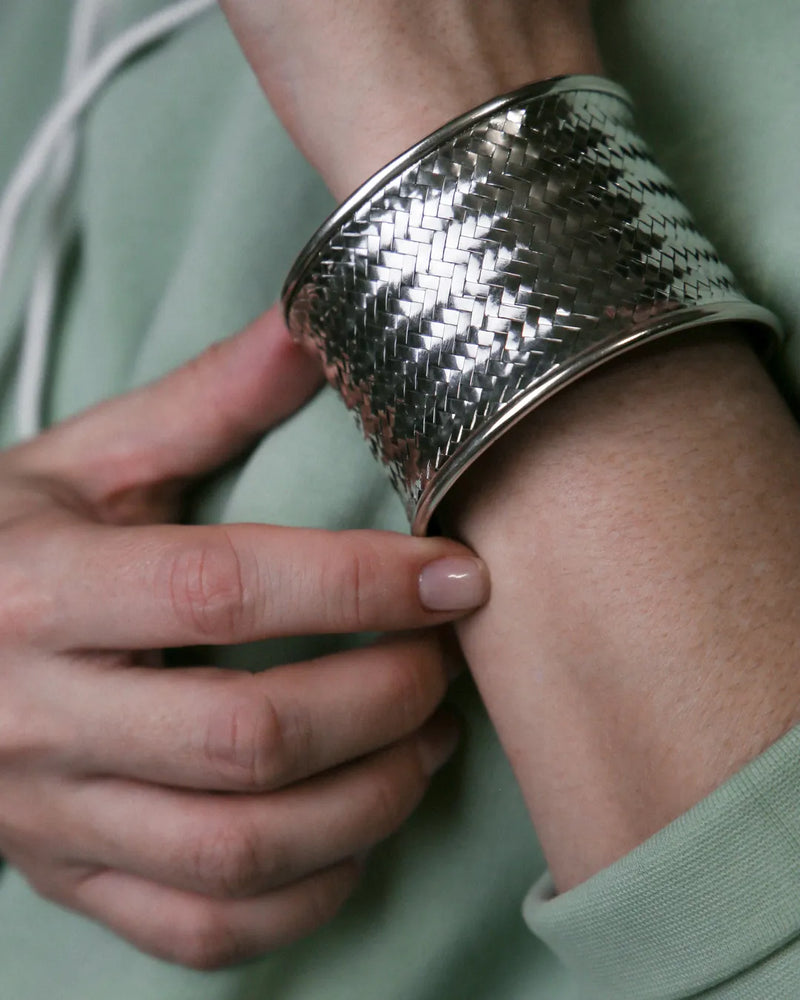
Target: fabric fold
x=702 y=900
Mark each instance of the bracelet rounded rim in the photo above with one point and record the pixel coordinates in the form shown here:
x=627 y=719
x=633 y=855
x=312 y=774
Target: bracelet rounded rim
x=523 y=95
x=762 y=322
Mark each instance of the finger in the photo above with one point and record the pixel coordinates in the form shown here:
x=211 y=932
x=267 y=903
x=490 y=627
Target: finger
x=174 y=585
x=203 y=933
x=230 y=846
x=187 y=423
x=232 y=731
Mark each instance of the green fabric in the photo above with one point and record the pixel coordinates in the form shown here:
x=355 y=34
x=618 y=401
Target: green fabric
x=707 y=897
x=189 y=206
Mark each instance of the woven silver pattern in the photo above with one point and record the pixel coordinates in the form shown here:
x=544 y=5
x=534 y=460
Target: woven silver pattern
x=514 y=250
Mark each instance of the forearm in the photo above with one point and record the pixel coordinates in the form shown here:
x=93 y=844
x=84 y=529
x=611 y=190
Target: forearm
x=638 y=645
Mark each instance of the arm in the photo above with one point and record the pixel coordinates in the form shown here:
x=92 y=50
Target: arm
x=623 y=654
x=641 y=532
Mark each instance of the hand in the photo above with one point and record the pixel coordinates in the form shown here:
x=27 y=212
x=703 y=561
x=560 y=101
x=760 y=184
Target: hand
x=203 y=814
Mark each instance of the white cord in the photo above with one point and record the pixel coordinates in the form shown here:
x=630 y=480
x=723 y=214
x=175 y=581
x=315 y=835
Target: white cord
x=36 y=161
x=41 y=303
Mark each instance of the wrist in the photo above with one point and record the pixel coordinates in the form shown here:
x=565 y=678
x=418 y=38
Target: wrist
x=356 y=84
x=638 y=647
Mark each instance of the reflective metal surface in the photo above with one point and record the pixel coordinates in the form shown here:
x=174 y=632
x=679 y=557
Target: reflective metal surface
x=501 y=258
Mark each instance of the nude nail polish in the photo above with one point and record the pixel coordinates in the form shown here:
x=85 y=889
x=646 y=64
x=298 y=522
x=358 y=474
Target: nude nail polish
x=454 y=584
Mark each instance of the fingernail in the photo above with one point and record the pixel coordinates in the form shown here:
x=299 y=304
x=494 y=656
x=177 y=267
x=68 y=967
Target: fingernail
x=438 y=741
x=454 y=584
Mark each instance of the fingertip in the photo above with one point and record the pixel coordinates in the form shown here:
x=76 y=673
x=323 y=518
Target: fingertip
x=273 y=373
x=270 y=332
x=301 y=351
x=454 y=584
x=439 y=740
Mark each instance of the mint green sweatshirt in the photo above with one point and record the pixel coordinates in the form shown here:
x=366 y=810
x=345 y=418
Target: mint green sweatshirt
x=189 y=205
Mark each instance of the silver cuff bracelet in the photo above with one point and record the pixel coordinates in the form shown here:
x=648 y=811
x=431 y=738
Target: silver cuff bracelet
x=513 y=250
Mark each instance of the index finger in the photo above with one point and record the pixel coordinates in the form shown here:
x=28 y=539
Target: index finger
x=186 y=423
x=147 y=587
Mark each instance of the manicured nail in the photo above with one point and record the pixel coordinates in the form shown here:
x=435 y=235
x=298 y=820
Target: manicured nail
x=438 y=741
x=454 y=584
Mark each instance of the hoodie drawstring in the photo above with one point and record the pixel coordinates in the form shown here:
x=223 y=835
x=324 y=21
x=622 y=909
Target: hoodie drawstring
x=50 y=157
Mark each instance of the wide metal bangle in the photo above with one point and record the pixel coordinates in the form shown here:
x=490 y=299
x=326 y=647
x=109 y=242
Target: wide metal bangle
x=510 y=252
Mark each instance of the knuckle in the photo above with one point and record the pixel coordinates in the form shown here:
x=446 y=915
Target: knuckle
x=415 y=685
x=326 y=895
x=245 y=741
x=204 y=940
x=395 y=789
x=26 y=606
x=208 y=588
x=226 y=859
x=49 y=885
x=30 y=733
x=17 y=742
x=353 y=585
x=21 y=612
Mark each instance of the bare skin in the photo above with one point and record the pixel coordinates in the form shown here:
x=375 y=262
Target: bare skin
x=641 y=529
x=357 y=81
x=642 y=535
x=203 y=814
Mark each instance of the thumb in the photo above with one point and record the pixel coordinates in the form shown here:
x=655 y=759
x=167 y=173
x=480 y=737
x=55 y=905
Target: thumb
x=184 y=425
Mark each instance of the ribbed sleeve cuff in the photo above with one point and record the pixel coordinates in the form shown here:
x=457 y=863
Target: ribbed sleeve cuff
x=700 y=902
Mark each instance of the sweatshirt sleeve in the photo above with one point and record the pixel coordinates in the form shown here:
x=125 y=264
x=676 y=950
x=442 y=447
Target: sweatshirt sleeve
x=709 y=906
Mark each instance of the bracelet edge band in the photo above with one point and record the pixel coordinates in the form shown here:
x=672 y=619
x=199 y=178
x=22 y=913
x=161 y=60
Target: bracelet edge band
x=761 y=322
x=709 y=297
x=522 y=95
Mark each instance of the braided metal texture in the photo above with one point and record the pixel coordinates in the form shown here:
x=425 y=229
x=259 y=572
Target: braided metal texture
x=494 y=268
